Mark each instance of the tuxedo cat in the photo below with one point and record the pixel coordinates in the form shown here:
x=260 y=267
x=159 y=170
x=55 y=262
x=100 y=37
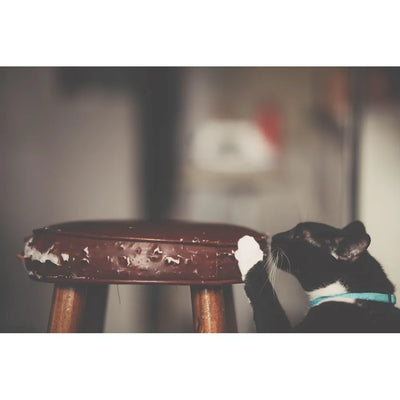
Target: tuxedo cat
x=347 y=288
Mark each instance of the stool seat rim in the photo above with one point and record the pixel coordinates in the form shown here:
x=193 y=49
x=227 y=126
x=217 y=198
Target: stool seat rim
x=129 y=251
x=165 y=231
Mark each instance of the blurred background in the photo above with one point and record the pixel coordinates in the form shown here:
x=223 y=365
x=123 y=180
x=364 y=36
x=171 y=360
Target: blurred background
x=261 y=147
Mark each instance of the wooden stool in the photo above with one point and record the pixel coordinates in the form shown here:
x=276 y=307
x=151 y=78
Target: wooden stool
x=82 y=258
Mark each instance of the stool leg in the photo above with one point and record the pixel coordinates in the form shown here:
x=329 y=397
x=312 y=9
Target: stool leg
x=230 y=314
x=95 y=309
x=208 y=309
x=67 y=308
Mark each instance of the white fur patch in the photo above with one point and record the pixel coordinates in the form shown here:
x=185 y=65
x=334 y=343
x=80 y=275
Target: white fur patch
x=331 y=290
x=248 y=254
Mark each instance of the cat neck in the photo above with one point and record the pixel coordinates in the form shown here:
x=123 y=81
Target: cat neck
x=331 y=289
x=364 y=276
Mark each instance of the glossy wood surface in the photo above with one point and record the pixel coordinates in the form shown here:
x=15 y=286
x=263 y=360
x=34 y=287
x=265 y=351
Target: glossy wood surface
x=67 y=309
x=167 y=231
x=208 y=309
x=117 y=252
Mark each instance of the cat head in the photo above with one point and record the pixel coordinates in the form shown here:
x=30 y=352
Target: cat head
x=319 y=254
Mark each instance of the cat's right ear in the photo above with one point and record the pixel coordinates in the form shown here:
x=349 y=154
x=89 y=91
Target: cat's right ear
x=352 y=243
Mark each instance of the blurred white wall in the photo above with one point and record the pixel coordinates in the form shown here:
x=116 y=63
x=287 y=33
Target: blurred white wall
x=63 y=157
x=379 y=198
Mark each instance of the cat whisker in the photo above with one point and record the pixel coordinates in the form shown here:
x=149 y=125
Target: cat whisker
x=282 y=253
x=271 y=265
x=266 y=266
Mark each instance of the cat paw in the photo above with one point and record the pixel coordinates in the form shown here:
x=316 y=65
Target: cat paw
x=248 y=254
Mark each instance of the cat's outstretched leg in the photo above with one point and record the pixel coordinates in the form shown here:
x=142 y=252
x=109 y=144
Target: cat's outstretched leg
x=268 y=313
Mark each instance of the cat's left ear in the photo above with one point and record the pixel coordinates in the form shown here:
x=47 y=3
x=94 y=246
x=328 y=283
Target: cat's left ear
x=352 y=243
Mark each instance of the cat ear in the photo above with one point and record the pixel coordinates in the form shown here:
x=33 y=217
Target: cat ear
x=352 y=243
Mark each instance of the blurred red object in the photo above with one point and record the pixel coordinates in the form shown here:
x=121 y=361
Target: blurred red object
x=269 y=120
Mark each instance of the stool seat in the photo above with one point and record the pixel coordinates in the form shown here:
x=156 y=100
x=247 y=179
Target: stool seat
x=129 y=251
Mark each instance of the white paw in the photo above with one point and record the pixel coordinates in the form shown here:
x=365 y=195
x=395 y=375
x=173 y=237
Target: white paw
x=248 y=254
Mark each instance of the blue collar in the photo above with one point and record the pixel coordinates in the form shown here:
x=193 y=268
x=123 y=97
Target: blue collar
x=381 y=297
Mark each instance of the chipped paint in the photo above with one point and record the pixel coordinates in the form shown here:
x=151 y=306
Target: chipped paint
x=35 y=274
x=230 y=254
x=86 y=251
x=65 y=256
x=127 y=260
x=157 y=251
x=172 y=260
x=74 y=276
x=36 y=255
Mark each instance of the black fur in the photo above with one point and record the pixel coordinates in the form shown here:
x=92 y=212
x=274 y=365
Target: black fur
x=318 y=255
